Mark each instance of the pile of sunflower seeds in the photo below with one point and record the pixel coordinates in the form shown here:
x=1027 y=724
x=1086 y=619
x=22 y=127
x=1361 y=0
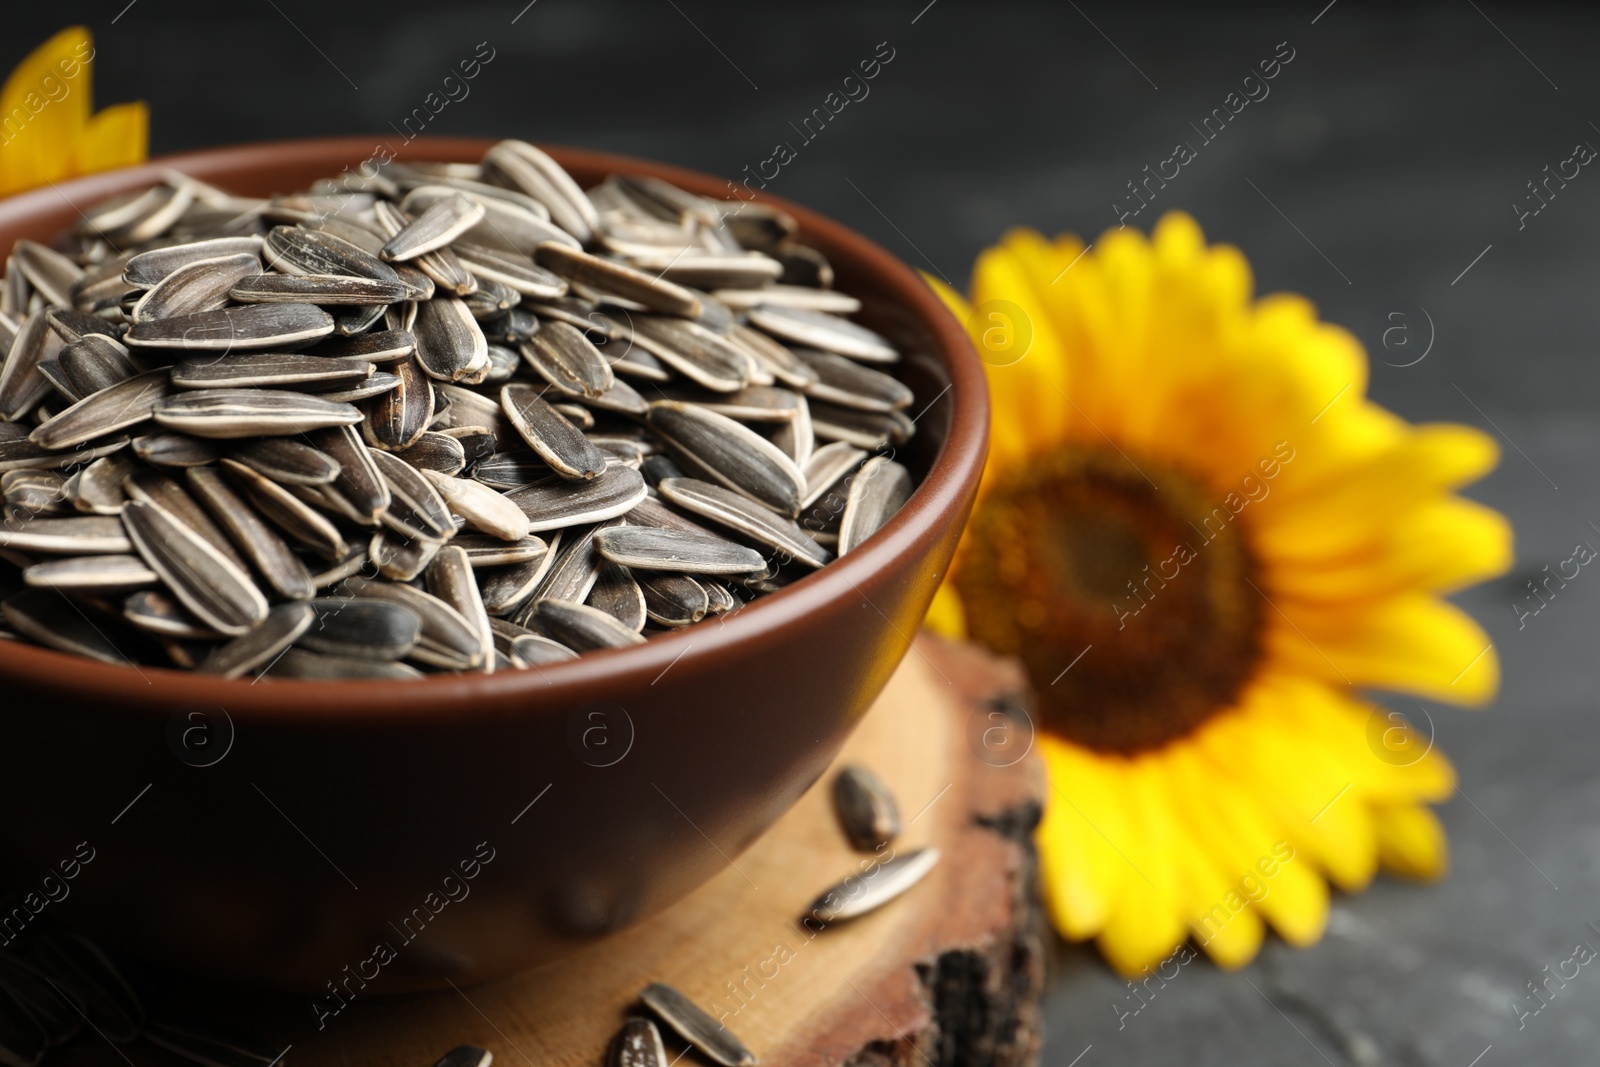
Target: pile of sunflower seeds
x=451 y=417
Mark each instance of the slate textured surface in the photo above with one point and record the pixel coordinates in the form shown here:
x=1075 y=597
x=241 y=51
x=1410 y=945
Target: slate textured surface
x=1383 y=163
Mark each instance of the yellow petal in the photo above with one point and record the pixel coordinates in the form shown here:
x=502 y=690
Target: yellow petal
x=1145 y=921
x=1411 y=644
x=119 y=136
x=43 y=106
x=1080 y=866
x=1411 y=841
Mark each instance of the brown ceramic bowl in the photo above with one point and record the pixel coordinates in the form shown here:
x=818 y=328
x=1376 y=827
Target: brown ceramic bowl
x=279 y=833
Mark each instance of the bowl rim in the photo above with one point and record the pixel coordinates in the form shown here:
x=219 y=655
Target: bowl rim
x=948 y=486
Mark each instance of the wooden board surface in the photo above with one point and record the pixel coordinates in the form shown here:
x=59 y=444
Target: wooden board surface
x=950 y=973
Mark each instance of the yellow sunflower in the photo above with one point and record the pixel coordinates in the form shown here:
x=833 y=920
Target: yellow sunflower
x=1203 y=542
x=47 y=129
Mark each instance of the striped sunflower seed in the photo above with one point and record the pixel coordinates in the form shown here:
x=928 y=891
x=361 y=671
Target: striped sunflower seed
x=98 y=574
x=858 y=895
x=446 y=640
x=287 y=461
x=148 y=269
x=550 y=434
x=553 y=503
x=692 y=1024
x=234 y=413
x=259 y=542
x=878 y=490
x=450 y=344
x=127 y=403
x=678 y=551
x=434 y=228
x=450 y=578
x=483 y=509
x=284 y=625
x=674 y=600
x=744 y=517
x=218 y=592
x=561 y=355
x=200 y=285
x=866 y=809
x=237 y=329
x=617 y=593
x=638 y=1044
x=305 y=664
x=360 y=628
x=320 y=289
x=580 y=627
x=729 y=453
x=818 y=329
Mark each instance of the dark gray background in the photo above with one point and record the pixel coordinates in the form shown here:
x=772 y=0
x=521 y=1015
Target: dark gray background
x=1396 y=142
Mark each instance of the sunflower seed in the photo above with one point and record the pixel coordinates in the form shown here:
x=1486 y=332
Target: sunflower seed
x=381 y=346
x=69 y=537
x=512 y=271
x=361 y=628
x=506 y=589
x=72 y=325
x=450 y=578
x=359 y=491
x=744 y=517
x=97 y=488
x=619 y=280
x=866 y=809
x=94 y=362
x=269 y=553
x=207 y=583
x=693 y=351
x=34 y=493
x=155 y=611
x=271 y=369
x=83 y=975
x=319 y=289
x=464 y=1056
x=208 y=1045
x=287 y=461
x=616 y=593
x=446 y=640
x=400 y=557
x=580 y=627
x=878 y=490
x=21 y=384
x=434 y=228
x=520 y=166
x=284 y=625
x=415 y=507
x=56 y=622
x=102 y=574
x=436 y=452
x=674 y=600
x=775 y=358
x=729 y=453
x=234 y=329
x=155 y=487
x=50 y=272
x=503 y=365
x=148 y=269
x=484 y=550
x=19 y=453
x=561 y=355
x=677 y=551
x=696 y=1027
x=790 y=296
x=168 y=449
x=450 y=346
x=125 y=404
x=552 y=504
x=484 y=509
x=818 y=329
x=721 y=601
x=856 y=896
x=202 y=285
x=621 y=398
x=848 y=384
x=233 y=413
x=551 y=435
x=398 y=418
x=826 y=466
x=301 y=663
x=870 y=430
x=576 y=568
x=638 y=1044
x=469 y=409
x=512 y=470
x=296 y=250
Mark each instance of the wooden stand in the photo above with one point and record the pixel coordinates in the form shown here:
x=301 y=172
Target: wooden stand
x=947 y=975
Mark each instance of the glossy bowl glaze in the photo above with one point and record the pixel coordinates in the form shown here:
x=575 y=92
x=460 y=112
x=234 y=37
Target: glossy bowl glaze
x=464 y=826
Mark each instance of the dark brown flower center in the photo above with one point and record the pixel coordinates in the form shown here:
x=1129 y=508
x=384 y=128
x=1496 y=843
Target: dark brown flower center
x=1133 y=607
